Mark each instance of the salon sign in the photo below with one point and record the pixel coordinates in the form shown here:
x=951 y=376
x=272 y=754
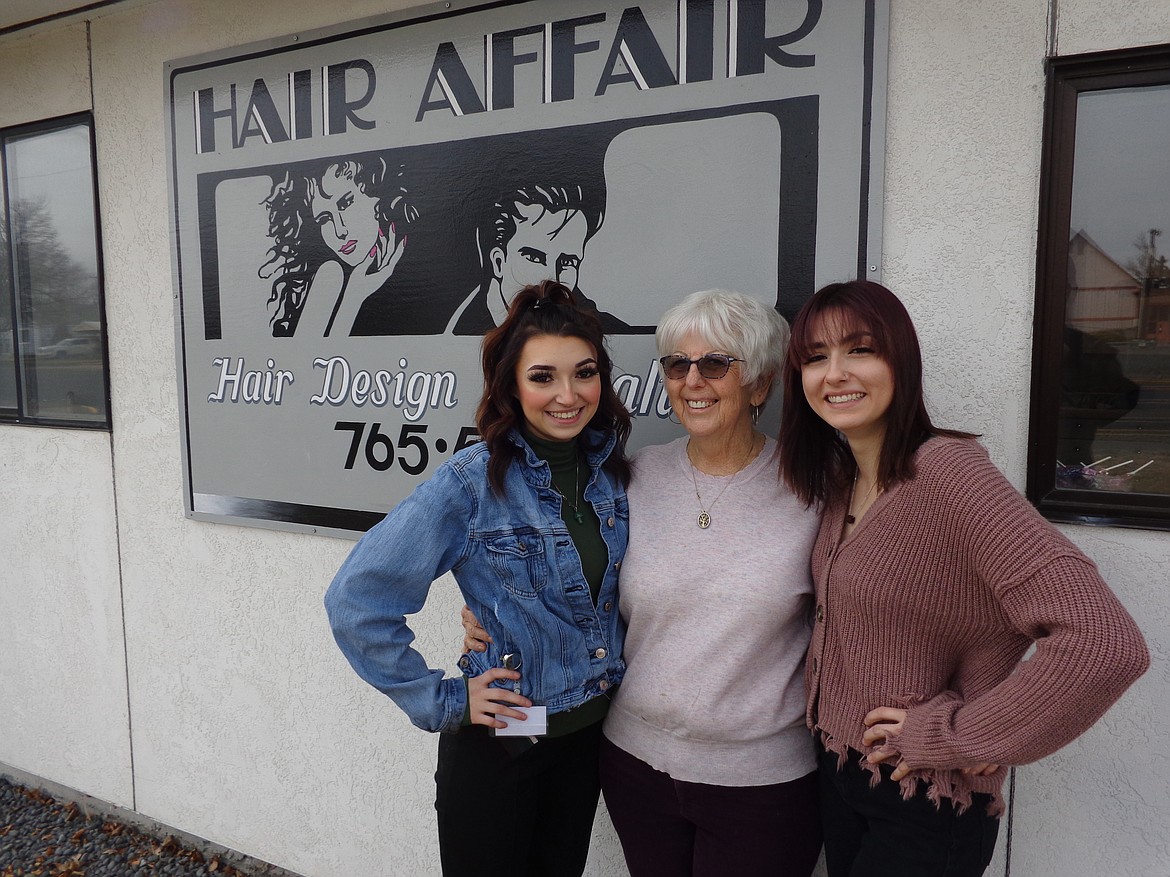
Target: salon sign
x=353 y=208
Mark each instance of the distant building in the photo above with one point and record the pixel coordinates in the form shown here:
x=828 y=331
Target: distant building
x=1102 y=295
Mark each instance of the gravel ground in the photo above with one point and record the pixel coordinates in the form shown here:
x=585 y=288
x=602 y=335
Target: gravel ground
x=40 y=837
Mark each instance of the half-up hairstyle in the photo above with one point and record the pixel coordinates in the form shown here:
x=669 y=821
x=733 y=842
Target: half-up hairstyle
x=815 y=460
x=546 y=308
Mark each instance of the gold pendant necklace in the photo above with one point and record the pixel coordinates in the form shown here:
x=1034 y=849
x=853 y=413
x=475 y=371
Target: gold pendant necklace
x=704 y=515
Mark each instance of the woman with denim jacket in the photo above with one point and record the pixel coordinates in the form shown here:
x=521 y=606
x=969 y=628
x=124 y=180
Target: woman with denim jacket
x=532 y=522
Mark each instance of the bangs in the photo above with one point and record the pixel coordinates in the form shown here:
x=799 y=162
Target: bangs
x=830 y=325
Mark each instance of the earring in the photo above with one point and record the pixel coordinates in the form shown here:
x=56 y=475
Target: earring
x=756 y=409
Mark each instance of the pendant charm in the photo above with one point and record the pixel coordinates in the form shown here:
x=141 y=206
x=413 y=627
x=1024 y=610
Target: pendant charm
x=579 y=517
x=704 y=520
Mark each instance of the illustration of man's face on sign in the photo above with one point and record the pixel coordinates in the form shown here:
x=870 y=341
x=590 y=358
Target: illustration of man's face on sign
x=345 y=214
x=527 y=235
x=547 y=244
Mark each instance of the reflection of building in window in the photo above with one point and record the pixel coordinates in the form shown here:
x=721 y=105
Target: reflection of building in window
x=1103 y=308
x=1100 y=420
x=1102 y=295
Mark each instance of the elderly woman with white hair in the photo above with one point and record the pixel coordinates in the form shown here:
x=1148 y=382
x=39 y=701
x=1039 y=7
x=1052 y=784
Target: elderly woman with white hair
x=706 y=764
x=707 y=767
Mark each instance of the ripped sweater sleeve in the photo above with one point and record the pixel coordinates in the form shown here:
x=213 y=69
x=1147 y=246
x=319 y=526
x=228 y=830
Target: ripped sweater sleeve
x=1088 y=649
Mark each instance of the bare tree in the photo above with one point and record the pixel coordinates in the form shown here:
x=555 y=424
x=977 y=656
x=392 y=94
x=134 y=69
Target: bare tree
x=54 y=291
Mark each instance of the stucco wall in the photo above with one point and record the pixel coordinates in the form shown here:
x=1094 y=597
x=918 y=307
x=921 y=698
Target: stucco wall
x=45 y=74
x=63 y=712
x=248 y=728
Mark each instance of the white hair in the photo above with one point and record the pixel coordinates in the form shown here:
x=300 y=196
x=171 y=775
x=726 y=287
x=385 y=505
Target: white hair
x=733 y=323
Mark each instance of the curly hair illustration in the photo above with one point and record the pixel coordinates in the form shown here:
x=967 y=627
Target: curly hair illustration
x=338 y=228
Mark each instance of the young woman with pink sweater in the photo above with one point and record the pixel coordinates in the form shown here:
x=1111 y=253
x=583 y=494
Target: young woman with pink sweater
x=933 y=578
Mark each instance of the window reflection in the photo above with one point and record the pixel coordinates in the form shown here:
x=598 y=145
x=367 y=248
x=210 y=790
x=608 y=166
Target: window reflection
x=56 y=342
x=8 y=398
x=1114 y=429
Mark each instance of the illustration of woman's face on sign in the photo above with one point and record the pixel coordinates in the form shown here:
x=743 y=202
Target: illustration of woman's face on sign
x=346 y=216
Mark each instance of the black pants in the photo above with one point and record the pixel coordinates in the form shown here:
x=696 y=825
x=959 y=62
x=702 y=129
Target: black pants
x=871 y=831
x=516 y=814
x=670 y=828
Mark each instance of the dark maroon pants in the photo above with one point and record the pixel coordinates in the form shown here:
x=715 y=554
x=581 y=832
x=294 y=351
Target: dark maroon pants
x=670 y=828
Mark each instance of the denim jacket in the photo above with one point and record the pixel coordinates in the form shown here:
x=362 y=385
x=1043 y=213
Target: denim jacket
x=517 y=569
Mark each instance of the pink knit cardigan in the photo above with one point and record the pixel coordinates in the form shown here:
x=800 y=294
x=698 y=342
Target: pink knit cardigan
x=929 y=605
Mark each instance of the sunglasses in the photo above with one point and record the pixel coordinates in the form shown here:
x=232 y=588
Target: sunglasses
x=712 y=366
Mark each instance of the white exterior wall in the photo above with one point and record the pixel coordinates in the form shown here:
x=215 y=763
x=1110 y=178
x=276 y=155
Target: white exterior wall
x=242 y=723
x=63 y=712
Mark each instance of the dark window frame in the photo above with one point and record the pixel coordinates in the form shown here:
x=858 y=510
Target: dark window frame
x=21 y=363
x=1068 y=77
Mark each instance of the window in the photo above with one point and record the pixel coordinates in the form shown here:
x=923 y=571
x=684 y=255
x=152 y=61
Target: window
x=52 y=332
x=1099 y=449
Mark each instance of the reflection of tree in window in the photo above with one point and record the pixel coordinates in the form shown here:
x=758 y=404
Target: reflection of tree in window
x=1154 y=302
x=52 y=365
x=8 y=397
x=58 y=291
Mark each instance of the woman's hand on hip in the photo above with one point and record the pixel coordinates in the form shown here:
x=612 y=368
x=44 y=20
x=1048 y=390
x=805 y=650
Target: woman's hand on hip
x=487 y=705
x=887 y=721
x=475 y=638
x=880 y=725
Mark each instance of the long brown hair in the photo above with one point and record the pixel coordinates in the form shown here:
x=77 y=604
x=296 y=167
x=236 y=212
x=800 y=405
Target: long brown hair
x=815 y=460
x=546 y=308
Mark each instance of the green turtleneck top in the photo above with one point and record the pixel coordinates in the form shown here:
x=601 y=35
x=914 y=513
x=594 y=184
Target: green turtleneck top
x=570 y=475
